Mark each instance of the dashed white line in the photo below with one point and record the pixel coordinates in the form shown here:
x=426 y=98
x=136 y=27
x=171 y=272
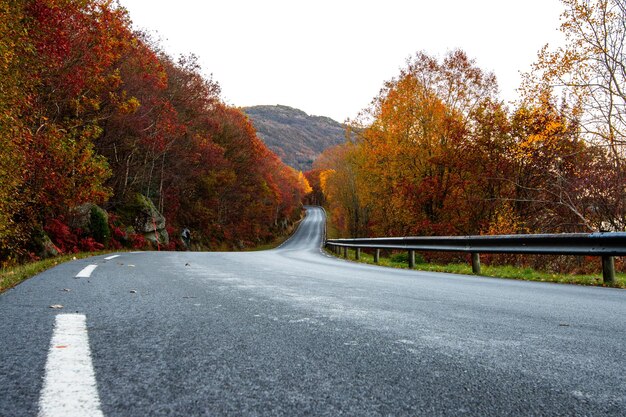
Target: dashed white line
x=69 y=387
x=108 y=258
x=86 y=271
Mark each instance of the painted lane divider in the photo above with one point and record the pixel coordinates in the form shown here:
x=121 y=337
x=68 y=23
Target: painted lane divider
x=69 y=387
x=108 y=258
x=86 y=271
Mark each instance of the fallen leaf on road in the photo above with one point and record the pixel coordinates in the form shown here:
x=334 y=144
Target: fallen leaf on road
x=133 y=291
x=56 y=306
x=132 y=266
x=66 y=289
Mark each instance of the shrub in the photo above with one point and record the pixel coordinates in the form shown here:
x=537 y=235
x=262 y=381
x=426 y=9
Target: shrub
x=403 y=257
x=63 y=237
x=138 y=241
x=99 y=225
x=89 y=244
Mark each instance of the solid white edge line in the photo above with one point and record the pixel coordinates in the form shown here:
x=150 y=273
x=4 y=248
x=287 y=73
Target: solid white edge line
x=108 y=258
x=69 y=387
x=86 y=271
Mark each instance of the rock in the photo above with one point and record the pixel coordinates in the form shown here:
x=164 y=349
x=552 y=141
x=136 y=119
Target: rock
x=147 y=216
x=48 y=249
x=92 y=219
x=80 y=216
x=163 y=236
x=147 y=219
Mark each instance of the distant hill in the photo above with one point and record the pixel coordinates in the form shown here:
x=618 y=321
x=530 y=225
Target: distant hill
x=293 y=135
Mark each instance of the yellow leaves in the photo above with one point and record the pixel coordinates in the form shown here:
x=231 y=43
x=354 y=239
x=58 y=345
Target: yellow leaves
x=304 y=183
x=540 y=128
x=324 y=176
x=129 y=106
x=506 y=221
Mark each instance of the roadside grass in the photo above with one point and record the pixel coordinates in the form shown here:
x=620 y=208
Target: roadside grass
x=11 y=276
x=494 y=271
x=331 y=230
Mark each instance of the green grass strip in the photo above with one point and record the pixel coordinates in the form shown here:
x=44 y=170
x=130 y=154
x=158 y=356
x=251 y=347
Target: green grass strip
x=496 y=271
x=11 y=276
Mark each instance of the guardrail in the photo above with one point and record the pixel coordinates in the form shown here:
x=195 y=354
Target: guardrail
x=606 y=245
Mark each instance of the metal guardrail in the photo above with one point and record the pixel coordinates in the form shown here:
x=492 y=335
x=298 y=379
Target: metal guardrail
x=606 y=245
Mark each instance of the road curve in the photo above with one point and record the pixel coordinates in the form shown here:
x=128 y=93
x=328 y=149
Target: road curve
x=292 y=331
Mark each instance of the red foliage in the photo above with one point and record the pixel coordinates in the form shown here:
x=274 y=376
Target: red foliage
x=107 y=115
x=137 y=241
x=62 y=236
x=89 y=244
x=114 y=244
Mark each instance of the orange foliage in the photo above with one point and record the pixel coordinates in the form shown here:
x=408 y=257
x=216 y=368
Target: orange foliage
x=92 y=112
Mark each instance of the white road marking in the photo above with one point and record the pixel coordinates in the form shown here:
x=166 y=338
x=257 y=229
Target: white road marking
x=86 y=272
x=108 y=258
x=69 y=387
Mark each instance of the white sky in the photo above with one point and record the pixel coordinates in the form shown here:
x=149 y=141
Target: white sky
x=331 y=57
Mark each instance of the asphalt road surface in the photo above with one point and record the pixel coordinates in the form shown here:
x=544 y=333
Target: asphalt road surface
x=292 y=332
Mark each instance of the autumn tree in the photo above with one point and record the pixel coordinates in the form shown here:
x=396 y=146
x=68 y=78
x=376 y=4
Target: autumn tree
x=63 y=52
x=14 y=97
x=414 y=149
x=590 y=72
x=344 y=186
x=316 y=195
x=553 y=184
x=93 y=112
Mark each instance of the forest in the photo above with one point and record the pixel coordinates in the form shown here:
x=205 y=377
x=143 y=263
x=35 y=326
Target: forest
x=438 y=153
x=108 y=142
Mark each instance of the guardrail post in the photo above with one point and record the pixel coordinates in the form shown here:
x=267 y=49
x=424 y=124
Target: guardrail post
x=345 y=251
x=411 y=259
x=357 y=254
x=608 y=269
x=377 y=256
x=476 y=263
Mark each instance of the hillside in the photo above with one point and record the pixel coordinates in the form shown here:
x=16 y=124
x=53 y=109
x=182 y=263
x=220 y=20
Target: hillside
x=293 y=135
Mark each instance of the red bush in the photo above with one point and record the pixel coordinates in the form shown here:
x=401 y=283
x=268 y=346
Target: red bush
x=118 y=233
x=138 y=241
x=89 y=244
x=63 y=237
x=114 y=244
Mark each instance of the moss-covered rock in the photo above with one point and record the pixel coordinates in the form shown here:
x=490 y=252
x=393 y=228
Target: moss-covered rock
x=147 y=220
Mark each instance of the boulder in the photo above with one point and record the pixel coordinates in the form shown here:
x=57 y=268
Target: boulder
x=148 y=220
x=163 y=236
x=80 y=216
x=48 y=249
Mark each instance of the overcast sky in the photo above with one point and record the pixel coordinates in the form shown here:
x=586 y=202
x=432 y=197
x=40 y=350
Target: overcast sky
x=331 y=57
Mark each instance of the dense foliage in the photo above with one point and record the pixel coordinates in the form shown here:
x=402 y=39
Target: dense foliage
x=91 y=112
x=437 y=153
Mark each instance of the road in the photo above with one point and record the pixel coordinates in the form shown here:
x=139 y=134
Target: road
x=293 y=331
